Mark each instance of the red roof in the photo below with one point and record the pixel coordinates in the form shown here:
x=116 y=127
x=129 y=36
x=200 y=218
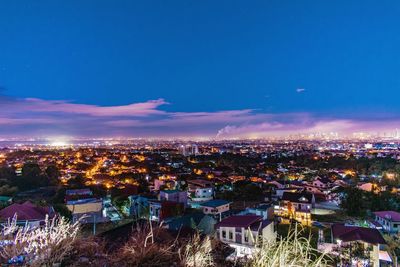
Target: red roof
x=239 y=221
x=355 y=233
x=26 y=212
x=388 y=215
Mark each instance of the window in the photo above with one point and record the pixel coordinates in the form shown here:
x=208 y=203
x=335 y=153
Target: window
x=223 y=234
x=230 y=235
x=246 y=238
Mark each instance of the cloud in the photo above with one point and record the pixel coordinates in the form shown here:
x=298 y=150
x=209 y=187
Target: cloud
x=26 y=121
x=300 y=90
x=134 y=109
x=33 y=117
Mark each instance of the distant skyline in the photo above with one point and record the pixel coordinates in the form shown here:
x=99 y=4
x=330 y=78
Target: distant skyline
x=217 y=69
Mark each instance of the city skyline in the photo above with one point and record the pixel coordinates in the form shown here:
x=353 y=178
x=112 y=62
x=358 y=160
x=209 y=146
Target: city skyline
x=198 y=69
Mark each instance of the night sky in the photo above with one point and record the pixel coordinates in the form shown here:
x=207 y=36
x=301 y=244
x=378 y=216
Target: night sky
x=198 y=68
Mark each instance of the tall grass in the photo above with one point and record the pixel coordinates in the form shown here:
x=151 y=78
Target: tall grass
x=290 y=251
x=40 y=246
x=197 y=252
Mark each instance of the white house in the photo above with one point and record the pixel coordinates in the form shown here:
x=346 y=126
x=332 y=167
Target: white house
x=243 y=232
x=390 y=221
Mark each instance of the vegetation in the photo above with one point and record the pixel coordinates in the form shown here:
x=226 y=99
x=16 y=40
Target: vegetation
x=41 y=246
x=360 y=203
x=243 y=190
x=294 y=250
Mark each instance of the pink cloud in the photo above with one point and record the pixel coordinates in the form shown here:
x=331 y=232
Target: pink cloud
x=308 y=125
x=147 y=119
x=27 y=121
x=51 y=106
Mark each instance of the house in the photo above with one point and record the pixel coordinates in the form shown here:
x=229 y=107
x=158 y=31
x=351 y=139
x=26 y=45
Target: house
x=164 y=183
x=369 y=187
x=200 y=190
x=5 y=201
x=215 y=207
x=322 y=183
x=364 y=242
x=110 y=211
x=390 y=221
x=139 y=205
x=27 y=213
x=297 y=206
x=243 y=232
x=276 y=184
x=84 y=206
x=265 y=210
x=160 y=210
x=174 y=196
x=199 y=183
x=280 y=191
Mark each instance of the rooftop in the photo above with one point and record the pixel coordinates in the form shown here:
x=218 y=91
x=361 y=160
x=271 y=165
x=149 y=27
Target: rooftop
x=215 y=203
x=171 y=191
x=25 y=212
x=388 y=215
x=239 y=221
x=297 y=197
x=356 y=233
x=84 y=191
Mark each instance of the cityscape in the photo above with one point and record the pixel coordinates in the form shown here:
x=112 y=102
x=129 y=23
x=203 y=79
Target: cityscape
x=199 y=133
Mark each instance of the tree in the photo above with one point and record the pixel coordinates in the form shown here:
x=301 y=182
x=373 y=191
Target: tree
x=53 y=174
x=31 y=177
x=77 y=182
x=7 y=173
x=31 y=170
x=353 y=202
x=7 y=190
x=143 y=185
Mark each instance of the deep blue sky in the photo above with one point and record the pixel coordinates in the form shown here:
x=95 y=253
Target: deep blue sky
x=206 y=56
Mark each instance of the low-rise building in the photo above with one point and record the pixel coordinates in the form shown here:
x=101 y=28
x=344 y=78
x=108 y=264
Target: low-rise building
x=265 y=210
x=357 y=246
x=243 y=232
x=139 y=206
x=84 y=206
x=390 y=221
x=297 y=206
x=215 y=207
x=160 y=210
x=174 y=196
x=27 y=213
x=200 y=190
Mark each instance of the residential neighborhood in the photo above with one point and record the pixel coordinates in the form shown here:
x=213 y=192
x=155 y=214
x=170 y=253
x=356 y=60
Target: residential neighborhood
x=247 y=197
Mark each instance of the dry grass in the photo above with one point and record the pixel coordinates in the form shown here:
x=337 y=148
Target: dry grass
x=291 y=251
x=57 y=242
x=144 y=250
x=197 y=252
x=87 y=252
x=41 y=246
